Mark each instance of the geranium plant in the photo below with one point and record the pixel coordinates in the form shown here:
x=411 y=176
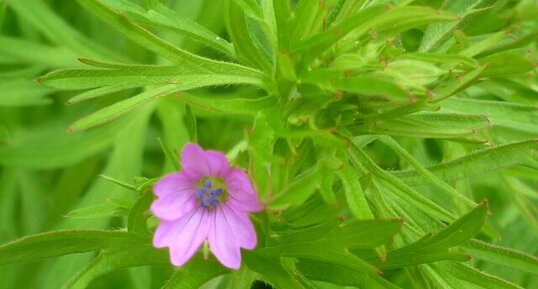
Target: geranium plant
x=289 y=144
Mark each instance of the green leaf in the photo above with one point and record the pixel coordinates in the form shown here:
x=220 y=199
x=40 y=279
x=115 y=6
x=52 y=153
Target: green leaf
x=433 y=179
x=142 y=75
x=336 y=274
x=98 y=92
x=170 y=155
x=229 y=104
x=271 y=271
x=244 y=45
x=299 y=190
x=58 y=31
x=473 y=276
x=140 y=35
x=18 y=93
x=502 y=256
x=518 y=117
x=59 y=243
x=426 y=125
x=137 y=219
x=152 y=42
x=318 y=240
x=435 y=247
x=106 y=210
x=478 y=163
x=505 y=63
x=366 y=84
x=374 y=18
x=397 y=186
x=108 y=262
x=54 y=149
x=191 y=124
x=118 y=109
x=119 y=183
x=163 y=17
x=191 y=276
x=251 y=8
x=436 y=34
x=23 y=51
x=479 y=47
x=318 y=43
x=355 y=197
x=457 y=84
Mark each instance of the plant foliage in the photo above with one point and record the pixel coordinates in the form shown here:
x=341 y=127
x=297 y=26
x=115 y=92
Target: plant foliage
x=393 y=142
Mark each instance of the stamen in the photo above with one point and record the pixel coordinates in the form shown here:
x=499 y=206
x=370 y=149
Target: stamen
x=210 y=193
x=200 y=192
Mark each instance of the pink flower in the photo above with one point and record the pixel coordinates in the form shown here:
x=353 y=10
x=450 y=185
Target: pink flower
x=208 y=200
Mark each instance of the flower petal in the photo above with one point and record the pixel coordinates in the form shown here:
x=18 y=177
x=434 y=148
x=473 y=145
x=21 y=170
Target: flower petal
x=184 y=236
x=174 y=184
x=242 y=227
x=173 y=207
x=242 y=194
x=198 y=163
x=218 y=163
x=224 y=246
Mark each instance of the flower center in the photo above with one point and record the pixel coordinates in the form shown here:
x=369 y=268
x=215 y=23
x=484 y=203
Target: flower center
x=210 y=192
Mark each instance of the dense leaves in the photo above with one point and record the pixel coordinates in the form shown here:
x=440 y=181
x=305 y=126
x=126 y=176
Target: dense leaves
x=394 y=144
